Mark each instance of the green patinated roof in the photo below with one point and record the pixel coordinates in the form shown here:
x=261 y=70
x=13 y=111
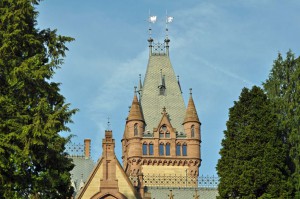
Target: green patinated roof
x=152 y=102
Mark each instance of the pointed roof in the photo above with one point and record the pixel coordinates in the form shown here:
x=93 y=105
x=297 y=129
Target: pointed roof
x=135 y=110
x=164 y=119
x=151 y=100
x=140 y=88
x=191 y=112
x=108 y=177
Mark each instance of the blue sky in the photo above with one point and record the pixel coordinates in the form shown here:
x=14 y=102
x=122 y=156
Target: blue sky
x=217 y=48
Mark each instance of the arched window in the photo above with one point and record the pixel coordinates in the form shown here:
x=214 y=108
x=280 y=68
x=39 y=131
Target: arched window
x=145 y=149
x=184 y=149
x=135 y=129
x=193 y=131
x=151 y=149
x=167 y=134
x=161 y=134
x=178 y=146
x=168 y=149
x=161 y=149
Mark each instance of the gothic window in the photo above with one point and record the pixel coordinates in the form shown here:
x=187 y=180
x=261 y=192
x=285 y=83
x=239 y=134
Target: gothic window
x=178 y=146
x=184 y=150
x=163 y=132
x=167 y=149
x=167 y=135
x=145 y=149
x=161 y=149
x=193 y=131
x=135 y=129
x=150 y=149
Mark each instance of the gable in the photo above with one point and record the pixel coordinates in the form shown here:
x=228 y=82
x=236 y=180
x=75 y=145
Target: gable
x=93 y=189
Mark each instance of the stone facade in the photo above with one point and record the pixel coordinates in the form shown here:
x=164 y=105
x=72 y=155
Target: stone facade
x=160 y=145
x=161 y=135
x=108 y=179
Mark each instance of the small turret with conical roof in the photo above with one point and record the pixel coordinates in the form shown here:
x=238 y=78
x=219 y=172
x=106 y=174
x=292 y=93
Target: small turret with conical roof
x=191 y=112
x=135 y=113
x=191 y=126
x=134 y=129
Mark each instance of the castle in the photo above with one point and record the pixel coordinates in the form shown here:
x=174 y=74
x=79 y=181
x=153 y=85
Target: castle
x=161 y=141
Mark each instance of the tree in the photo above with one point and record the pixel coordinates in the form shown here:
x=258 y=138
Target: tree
x=283 y=88
x=252 y=154
x=33 y=163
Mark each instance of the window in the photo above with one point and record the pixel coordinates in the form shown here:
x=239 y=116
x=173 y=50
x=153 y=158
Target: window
x=145 y=149
x=150 y=149
x=184 y=150
x=193 y=131
x=161 y=134
x=162 y=90
x=178 y=149
x=135 y=129
x=161 y=149
x=168 y=149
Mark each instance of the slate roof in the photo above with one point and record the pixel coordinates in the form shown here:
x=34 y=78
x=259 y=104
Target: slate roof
x=80 y=173
x=159 y=66
x=179 y=193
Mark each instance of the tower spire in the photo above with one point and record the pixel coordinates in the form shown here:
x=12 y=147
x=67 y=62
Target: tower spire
x=191 y=112
x=140 y=86
x=135 y=112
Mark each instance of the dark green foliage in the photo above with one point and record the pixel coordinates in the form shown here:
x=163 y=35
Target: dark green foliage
x=283 y=88
x=32 y=111
x=252 y=154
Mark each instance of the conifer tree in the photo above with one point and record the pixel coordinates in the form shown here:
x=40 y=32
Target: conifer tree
x=252 y=155
x=33 y=163
x=283 y=88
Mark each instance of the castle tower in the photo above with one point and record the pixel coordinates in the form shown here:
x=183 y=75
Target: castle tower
x=191 y=126
x=162 y=135
x=131 y=142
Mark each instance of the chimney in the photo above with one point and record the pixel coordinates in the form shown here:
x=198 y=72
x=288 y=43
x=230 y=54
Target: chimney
x=87 y=148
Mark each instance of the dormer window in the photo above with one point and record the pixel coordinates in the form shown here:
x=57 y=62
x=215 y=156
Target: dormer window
x=163 y=132
x=161 y=90
x=162 y=86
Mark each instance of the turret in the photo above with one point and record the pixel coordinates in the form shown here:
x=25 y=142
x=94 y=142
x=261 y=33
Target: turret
x=191 y=121
x=135 y=126
x=191 y=126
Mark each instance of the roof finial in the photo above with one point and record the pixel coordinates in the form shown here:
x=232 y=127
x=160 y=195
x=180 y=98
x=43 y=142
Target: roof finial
x=108 y=123
x=196 y=196
x=151 y=19
x=171 y=196
x=191 y=92
x=135 y=90
x=169 y=19
x=140 y=86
